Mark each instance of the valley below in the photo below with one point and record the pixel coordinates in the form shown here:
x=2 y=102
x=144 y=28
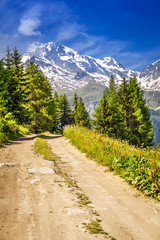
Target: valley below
x=57 y=200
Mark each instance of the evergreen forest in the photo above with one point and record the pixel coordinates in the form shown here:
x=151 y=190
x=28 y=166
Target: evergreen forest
x=27 y=105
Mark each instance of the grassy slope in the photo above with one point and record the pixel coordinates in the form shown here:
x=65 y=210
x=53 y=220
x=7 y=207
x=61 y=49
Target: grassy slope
x=139 y=167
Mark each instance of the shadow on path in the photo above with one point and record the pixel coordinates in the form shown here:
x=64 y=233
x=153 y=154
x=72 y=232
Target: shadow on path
x=18 y=141
x=28 y=138
x=54 y=136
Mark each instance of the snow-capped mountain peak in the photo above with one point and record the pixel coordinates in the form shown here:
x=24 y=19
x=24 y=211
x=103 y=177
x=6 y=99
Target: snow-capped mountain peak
x=68 y=69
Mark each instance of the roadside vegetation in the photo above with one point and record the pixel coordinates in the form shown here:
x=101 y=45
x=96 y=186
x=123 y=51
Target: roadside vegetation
x=27 y=104
x=138 y=166
x=10 y=130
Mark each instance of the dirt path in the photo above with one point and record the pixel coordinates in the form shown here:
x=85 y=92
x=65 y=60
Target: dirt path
x=36 y=201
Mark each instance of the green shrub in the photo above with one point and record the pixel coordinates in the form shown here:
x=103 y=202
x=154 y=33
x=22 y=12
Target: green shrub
x=9 y=129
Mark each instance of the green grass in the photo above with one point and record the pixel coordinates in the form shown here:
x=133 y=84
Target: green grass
x=94 y=227
x=139 y=167
x=83 y=199
x=41 y=147
x=69 y=181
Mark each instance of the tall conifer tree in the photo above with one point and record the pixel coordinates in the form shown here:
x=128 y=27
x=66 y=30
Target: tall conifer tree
x=102 y=116
x=65 y=113
x=124 y=101
x=116 y=125
x=56 y=112
x=15 y=73
x=4 y=94
x=81 y=115
x=40 y=98
x=140 y=128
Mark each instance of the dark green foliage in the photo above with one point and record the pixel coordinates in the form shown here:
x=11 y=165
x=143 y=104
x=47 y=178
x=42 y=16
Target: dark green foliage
x=125 y=106
x=65 y=115
x=14 y=81
x=12 y=109
x=123 y=113
x=40 y=101
x=4 y=94
x=81 y=115
x=75 y=102
x=116 y=122
x=140 y=130
x=25 y=96
x=55 y=113
x=108 y=115
x=8 y=60
x=112 y=85
x=102 y=116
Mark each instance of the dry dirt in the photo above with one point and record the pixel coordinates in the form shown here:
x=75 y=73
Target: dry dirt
x=36 y=201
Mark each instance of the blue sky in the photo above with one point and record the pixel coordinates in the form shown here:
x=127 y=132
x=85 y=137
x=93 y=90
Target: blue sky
x=128 y=30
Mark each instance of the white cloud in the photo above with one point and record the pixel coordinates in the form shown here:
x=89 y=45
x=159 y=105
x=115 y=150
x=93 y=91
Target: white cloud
x=30 y=22
x=28 y=26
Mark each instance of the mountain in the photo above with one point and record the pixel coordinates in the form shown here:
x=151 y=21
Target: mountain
x=150 y=77
x=67 y=69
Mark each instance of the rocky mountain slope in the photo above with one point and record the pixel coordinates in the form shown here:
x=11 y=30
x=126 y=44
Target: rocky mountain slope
x=67 y=69
x=149 y=78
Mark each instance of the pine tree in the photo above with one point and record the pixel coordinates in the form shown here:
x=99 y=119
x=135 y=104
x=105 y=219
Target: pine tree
x=14 y=79
x=65 y=113
x=4 y=94
x=102 y=116
x=75 y=102
x=116 y=123
x=112 y=85
x=8 y=59
x=40 y=98
x=56 y=112
x=140 y=131
x=124 y=101
x=81 y=115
